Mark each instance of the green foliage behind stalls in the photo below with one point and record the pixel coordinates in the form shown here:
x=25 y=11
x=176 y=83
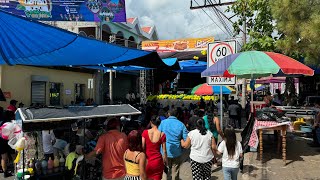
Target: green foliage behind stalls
x=299 y=23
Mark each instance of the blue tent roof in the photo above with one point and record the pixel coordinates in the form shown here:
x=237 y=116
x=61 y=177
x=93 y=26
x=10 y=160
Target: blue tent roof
x=28 y=42
x=192 y=66
x=118 y=68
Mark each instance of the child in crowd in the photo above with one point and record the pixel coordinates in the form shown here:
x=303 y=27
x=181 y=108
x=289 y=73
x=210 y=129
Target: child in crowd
x=231 y=151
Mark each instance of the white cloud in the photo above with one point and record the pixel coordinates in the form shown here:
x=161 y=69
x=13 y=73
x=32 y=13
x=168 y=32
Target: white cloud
x=174 y=19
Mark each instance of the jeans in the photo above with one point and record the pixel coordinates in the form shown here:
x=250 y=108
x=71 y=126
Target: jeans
x=230 y=173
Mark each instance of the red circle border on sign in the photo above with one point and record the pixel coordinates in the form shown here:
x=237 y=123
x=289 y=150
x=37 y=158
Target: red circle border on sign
x=221 y=43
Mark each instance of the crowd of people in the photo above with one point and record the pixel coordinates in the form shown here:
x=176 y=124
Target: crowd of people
x=156 y=152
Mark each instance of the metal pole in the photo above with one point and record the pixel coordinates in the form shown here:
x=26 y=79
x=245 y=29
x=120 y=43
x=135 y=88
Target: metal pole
x=244 y=85
x=221 y=108
x=252 y=89
x=110 y=87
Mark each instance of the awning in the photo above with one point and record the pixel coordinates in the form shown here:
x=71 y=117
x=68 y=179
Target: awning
x=118 y=68
x=27 y=42
x=192 y=66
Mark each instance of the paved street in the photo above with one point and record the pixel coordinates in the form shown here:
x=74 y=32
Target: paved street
x=302 y=163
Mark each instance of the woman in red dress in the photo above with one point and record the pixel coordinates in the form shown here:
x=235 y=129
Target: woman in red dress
x=152 y=140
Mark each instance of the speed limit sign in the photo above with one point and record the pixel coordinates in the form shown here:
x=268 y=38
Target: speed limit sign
x=217 y=51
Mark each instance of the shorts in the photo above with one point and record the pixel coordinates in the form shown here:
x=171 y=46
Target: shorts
x=4 y=147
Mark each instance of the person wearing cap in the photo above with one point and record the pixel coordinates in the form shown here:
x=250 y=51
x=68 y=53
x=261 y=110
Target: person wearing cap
x=112 y=145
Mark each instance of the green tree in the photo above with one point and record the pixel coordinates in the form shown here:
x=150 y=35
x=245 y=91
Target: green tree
x=298 y=22
x=260 y=27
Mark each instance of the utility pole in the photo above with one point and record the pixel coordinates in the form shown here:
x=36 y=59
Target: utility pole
x=244 y=83
x=207 y=4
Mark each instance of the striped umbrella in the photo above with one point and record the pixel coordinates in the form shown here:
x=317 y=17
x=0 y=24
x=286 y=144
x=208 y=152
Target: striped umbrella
x=257 y=64
x=205 y=89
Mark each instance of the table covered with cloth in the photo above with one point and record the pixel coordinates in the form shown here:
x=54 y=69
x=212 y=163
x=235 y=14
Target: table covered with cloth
x=254 y=138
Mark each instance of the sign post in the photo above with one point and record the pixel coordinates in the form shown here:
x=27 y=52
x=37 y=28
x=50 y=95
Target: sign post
x=217 y=51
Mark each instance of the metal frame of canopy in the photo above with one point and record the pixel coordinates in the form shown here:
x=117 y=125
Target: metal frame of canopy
x=24 y=114
x=24 y=120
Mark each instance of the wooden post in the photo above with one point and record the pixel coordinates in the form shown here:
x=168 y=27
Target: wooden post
x=261 y=143
x=284 y=144
x=279 y=140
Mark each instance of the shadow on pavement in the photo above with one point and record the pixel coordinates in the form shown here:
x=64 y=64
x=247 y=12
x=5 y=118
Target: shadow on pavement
x=296 y=148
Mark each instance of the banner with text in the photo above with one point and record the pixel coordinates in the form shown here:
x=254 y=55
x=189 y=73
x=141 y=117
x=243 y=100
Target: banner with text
x=67 y=10
x=180 y=45
x=217 y=51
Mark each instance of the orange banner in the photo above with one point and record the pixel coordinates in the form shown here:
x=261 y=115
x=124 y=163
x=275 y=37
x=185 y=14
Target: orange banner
x=180 y=45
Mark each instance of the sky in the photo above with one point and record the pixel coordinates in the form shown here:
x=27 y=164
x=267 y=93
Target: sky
x=174 y=19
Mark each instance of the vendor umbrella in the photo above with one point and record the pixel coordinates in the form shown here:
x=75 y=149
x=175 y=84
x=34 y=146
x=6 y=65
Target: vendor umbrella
x=205 y=89
x=257 y=64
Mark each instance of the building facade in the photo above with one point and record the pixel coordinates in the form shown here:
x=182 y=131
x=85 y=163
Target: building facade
x=44 y=86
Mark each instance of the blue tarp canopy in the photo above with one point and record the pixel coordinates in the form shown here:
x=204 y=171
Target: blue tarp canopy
x=27 y=42
x=189 y=66
x=118 y=68
x=192 y=66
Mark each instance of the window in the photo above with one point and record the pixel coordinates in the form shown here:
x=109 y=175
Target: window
x=55 y=94
x=79 y=93
x=38 y=92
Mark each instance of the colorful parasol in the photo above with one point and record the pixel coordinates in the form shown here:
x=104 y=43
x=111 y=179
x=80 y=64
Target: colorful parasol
x=205 y=89
x=257 y=64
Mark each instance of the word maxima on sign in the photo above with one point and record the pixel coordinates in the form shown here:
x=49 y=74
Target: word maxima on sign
x=221 y=80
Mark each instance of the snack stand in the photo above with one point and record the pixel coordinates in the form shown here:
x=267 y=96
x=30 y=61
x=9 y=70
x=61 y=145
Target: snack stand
x=32 y=121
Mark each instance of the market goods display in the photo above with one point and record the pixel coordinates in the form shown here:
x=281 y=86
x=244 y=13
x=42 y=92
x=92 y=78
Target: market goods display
x=182 y=97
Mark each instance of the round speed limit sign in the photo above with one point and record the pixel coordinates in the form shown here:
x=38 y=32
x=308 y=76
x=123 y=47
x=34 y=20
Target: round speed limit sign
x=219 y=50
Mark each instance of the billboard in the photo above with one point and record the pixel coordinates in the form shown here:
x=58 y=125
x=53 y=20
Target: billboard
x=217 y=51
x=180 y=45
x=67 y=10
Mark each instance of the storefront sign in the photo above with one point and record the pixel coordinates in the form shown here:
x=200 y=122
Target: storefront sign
x=67 y=10
x=221 y=81
x=180 y=45
x=217 y=51
x=7 y=95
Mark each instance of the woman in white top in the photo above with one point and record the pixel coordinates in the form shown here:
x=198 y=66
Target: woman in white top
x=231 y=151
x=202 y=145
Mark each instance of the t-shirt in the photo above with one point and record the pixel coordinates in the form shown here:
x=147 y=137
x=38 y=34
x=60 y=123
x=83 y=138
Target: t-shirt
x=234 y=110
x=47 y=138
x=226 y=160
x=201 y=151
x=174 y=130
x=112 y=146
x=69 y=160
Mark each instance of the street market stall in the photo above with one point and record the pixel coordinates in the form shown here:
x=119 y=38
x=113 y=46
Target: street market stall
x=34 y=122
x=257 y=64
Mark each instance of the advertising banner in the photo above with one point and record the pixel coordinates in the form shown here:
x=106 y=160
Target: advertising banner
x=67 y=10
x=180 y=45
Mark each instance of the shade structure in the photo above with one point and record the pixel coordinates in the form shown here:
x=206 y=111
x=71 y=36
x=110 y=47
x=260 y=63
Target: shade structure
x=205 y=89
x=267 y=80
x=192 y=66
x=257 y=64
x=27 y=42
x=257 y=87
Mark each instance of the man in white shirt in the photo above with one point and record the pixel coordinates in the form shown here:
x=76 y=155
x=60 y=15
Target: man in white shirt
x=48 y=139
